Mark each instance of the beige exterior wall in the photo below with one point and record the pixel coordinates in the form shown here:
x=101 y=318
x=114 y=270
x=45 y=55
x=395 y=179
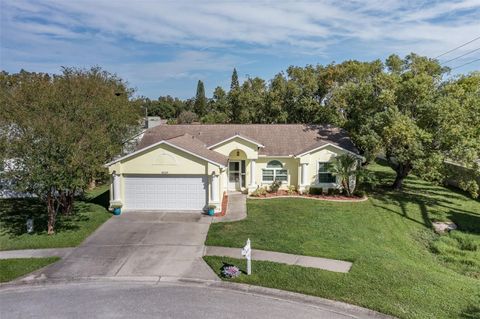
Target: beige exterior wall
x=250 y=149
x=290 y=164
x=326 y=154
x=167 y=160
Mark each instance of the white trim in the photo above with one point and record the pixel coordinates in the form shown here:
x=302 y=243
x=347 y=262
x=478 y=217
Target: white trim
x=157 y=144
x=234 y=136
x=275 y=175
x=317 y=181
x=329 y=144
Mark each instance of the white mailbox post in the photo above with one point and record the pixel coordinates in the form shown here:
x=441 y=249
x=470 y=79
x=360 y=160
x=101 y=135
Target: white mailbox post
x=247 y=253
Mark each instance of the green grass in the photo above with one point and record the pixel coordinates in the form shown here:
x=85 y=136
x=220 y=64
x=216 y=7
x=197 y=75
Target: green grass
x=14 y=268
x=70 y=230
x=400 y=267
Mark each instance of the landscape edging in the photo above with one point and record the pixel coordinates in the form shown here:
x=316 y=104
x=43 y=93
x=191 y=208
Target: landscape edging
x=363 y=199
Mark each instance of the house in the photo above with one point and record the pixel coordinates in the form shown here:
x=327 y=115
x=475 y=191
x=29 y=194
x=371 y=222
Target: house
x=186 y=167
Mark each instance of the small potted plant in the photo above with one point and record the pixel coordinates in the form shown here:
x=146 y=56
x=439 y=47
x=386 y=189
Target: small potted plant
x=211 y=209
x=117 y=208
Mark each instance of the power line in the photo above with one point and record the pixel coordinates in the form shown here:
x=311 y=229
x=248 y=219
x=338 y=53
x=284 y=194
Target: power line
x=460 y=46
x=459 y=66
x=460 y=56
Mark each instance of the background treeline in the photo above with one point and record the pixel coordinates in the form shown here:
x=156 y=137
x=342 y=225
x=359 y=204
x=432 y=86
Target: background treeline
x=406 y=109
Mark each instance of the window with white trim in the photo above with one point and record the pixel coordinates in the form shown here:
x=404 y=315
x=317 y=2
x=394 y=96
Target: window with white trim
x=324 y=174
x=274 y=171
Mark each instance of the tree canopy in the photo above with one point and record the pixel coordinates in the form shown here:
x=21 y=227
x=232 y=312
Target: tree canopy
x=62 y=129
x=405 y=109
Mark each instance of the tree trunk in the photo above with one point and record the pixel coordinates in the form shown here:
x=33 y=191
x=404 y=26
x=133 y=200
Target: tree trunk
x=67 y=202
x=51 y=214
x=346 y=186
x=402 y=171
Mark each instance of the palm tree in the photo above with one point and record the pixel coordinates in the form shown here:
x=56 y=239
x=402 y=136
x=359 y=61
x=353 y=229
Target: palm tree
x=345 y=167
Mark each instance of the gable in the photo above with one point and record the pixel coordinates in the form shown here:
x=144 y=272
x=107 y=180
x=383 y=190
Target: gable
x=226 y=147
x=161 y=159
x=325 y=153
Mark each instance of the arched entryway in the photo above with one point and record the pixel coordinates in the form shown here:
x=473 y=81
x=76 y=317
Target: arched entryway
x=237 y=170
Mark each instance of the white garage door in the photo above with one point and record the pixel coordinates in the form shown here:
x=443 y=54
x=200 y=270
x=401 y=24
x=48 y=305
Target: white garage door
x=162 y=192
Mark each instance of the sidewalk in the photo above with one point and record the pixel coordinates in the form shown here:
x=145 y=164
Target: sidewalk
x=35 y=253
x=289 y=259
x=236 y=208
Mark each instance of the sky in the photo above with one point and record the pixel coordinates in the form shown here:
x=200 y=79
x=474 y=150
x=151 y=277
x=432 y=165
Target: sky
x=165 y=47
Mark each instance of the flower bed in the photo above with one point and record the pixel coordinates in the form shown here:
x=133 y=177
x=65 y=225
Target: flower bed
x=284 y=193
x=224 y=206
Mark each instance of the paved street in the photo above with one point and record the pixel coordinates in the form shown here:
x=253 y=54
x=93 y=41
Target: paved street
x=141 y=244
x=148 y=300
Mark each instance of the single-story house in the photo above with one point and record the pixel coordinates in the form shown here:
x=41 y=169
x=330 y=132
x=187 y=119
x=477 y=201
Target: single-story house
x=187 y=167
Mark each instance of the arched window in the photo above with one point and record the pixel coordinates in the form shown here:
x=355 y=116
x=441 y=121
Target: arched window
x=274 y=171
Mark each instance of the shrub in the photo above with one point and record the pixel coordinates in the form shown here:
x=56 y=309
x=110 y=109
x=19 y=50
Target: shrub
x=367 y=180
x=291 y=189
x=275 y=186
x=316 y=191
x=331 y=191
x=187 y=117
x=211 y=206
x=359 y=193
x=260 y=191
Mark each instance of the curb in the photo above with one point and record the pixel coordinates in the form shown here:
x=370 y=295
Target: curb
x=287 y=296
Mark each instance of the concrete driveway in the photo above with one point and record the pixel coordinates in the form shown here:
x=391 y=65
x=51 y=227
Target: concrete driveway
x=141 y=244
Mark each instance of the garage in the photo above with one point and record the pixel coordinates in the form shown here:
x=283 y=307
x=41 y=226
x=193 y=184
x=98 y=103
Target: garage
x=165 y=192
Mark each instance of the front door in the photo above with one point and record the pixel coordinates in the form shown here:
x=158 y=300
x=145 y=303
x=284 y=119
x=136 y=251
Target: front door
x=234 y=173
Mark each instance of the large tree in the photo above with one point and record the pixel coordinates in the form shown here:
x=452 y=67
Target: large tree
x=402 y=111
x=62 y=129
x=234 y=98
x=218 y=108
x=200 y=105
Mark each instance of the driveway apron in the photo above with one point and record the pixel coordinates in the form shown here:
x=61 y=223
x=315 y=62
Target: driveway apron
x=141 y=244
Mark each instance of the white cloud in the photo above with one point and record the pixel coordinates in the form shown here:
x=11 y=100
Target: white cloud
x=213 y=36
x=260 y=23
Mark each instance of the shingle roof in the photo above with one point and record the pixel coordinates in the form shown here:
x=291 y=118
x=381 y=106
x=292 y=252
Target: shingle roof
x=194 y=145
x=278 y=139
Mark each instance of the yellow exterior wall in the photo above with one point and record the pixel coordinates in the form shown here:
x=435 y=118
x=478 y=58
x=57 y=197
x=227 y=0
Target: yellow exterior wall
x=250 y=149
x=326 y=154
x=290 y=164
x=165 y=159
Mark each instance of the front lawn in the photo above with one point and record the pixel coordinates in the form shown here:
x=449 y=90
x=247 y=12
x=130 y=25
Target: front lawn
x=70 y=230
x=400 y=267
x=14 y=268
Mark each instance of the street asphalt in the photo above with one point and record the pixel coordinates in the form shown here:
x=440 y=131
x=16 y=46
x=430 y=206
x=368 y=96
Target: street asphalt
x=152 y=300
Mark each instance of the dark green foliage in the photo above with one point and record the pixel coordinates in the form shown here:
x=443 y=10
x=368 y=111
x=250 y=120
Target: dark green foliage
x=359 y=193
x=66 y=127
x=315 y=191
x=275 y=186
x=234 y=84
x=200 y=105
x=166 y=107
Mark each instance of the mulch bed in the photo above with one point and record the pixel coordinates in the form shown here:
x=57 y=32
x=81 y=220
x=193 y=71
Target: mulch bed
x=283 y=193
x=224 y=206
